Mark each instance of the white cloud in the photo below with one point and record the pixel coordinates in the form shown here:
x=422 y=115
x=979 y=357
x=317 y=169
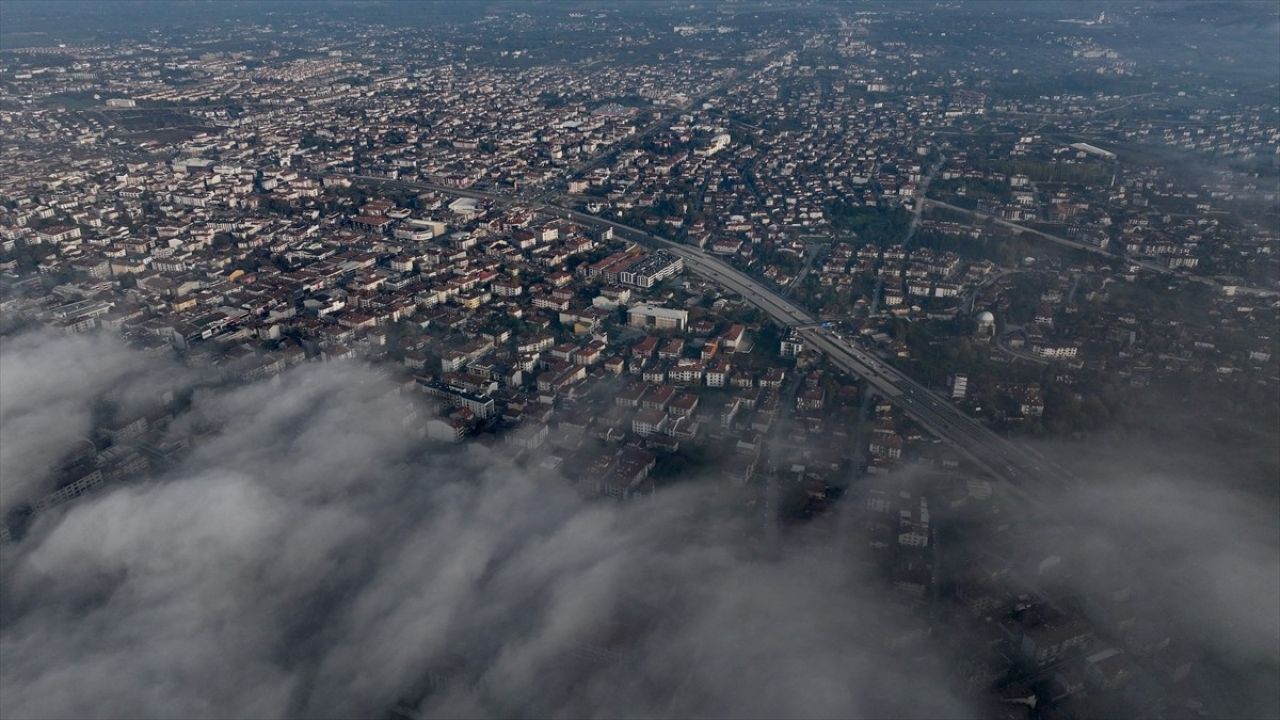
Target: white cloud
x=312 y=558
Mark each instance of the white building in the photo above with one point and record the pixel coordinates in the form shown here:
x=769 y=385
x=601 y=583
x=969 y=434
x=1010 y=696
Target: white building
x=718 y=143
x=659 y=317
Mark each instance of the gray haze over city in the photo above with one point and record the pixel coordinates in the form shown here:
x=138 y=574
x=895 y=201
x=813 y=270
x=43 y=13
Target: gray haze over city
x=566 y=359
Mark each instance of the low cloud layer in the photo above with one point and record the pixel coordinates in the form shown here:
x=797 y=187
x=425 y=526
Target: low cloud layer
x=48 y=386
x=1190 y=557
x=311 y=557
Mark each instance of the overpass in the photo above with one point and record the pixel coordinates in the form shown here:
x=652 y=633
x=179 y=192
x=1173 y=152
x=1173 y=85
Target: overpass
x=1018 y=466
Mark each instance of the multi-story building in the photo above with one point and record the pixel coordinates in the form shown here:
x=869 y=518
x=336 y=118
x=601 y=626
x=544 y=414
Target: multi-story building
x=653 y=316
x=482 y=406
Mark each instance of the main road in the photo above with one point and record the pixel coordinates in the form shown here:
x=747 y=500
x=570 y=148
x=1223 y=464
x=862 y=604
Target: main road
x=1148 y=265
x=1024 y=470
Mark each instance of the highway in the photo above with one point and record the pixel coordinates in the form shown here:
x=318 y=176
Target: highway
x=1022 y=470
x=987 y=450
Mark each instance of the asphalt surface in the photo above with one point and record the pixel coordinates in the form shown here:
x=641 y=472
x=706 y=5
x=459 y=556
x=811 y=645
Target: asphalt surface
x=1144 y=264
x=1022 y=470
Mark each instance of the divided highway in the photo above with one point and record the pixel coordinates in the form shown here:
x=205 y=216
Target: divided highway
x=1022 y=469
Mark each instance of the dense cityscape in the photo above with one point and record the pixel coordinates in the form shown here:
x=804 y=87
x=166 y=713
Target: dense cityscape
x=961 y=316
